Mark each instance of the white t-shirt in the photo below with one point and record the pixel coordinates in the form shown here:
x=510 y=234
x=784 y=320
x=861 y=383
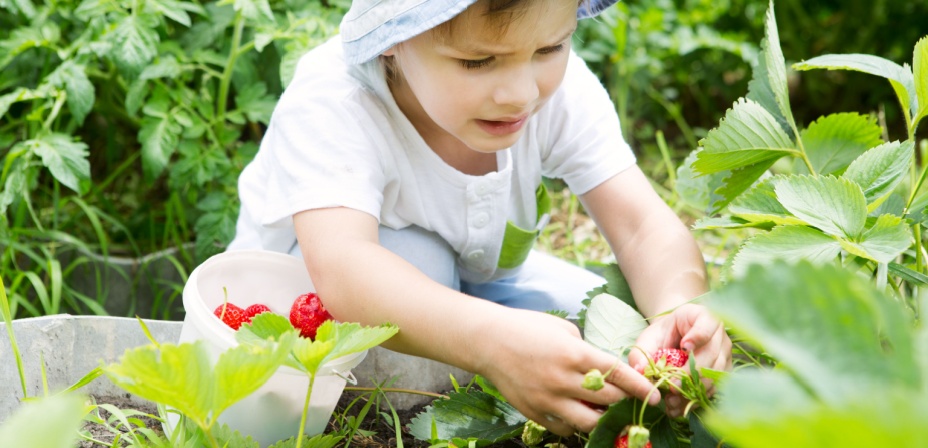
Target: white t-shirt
x=338 y=139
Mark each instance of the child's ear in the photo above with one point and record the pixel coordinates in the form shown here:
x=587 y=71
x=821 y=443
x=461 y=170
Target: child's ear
x=390 y=51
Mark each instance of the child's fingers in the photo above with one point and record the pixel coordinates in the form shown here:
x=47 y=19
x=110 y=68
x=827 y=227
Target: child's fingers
x=633 y=383
x=699 y=327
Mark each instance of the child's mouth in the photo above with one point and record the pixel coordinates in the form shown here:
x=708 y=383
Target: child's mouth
x=502 y=127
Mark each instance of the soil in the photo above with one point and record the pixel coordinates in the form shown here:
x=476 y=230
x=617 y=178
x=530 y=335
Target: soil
x=101 y=433
x=378 y=432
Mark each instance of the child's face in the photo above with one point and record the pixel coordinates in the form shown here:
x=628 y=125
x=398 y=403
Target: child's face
x=479 y=83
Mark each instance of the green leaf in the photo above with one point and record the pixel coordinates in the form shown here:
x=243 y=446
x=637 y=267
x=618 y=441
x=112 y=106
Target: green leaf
x=899 y=77
x=316 y=441
x=760 y=205
x=72 y=78
x=616 y=286
x=351 y=337
x=768 y=410
x=726 y=222
x=135 y=96
x=702 y=437
x=612 y=325
x=64 y=158
x=888 y=238
x=832 y=142
x=165 y=67
x=216 y=224
x=25 y=7
x=16 y=186
x=159 y=136
x=255 y=9
x=920 y=69
x=880 y=170
x=243 y=369
x=135 y=42
x=760 y=91
x=263 y=328
x=19 y=41
x=737 y=182
x=616 y=418
x=176 y=10
x=695 y=189
x=254 y=101
x=835 y=205
x=464 y=415
x=50 y=422
x=225 y=436
x=791 y=243
x=21 y=94
x=179 y=376
x=182 y=376
x=908 y=275
x=88 y=9
x=831 y=330
x=747 y=135
x=769 y=81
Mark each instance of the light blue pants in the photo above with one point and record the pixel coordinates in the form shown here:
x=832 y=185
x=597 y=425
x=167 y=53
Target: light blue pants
x=543 y=283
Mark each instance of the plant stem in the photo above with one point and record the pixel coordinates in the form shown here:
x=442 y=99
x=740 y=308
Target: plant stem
x=917 y=185
x=8 y=319
x=309 y=393
x=665 y=154
x=881 y=273
x=221 y=100
x=396 y=390
x=674 y=112
x=47 y=125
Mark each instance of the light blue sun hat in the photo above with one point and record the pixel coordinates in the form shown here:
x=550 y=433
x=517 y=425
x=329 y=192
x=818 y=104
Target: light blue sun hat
x=373 y=26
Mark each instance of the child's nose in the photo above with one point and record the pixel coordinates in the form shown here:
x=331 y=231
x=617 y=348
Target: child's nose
x=517 y=87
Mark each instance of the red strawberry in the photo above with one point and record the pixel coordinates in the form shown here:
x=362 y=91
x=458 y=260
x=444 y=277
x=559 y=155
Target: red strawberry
x=595 y=406
x=621 y=441
x=232 y=315
x=255 y=310
x=674 y=356
x=307 y=314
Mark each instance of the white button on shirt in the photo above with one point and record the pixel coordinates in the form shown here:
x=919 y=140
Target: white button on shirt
x=481 y=220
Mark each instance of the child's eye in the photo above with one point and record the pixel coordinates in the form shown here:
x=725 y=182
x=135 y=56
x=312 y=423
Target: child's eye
x=552 y=49
x=473 y=64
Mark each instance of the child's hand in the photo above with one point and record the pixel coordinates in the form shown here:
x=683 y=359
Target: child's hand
x=692 y=328
x=538 y=362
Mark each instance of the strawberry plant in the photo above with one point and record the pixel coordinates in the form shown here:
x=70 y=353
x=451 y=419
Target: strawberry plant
x=851 y=361
x=832 y=191
x=479 y=415
x=190 y=381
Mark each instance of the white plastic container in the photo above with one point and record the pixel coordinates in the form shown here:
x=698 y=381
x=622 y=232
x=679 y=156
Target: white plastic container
x=272 y=413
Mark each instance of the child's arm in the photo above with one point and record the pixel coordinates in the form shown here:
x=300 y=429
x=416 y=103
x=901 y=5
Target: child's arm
x=663 y=266
x=535 y=359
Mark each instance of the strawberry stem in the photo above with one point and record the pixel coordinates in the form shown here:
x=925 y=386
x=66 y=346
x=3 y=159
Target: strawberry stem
x=225 y=300
x=309 y=393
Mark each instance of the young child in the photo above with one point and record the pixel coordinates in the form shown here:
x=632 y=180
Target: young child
x=404 y=163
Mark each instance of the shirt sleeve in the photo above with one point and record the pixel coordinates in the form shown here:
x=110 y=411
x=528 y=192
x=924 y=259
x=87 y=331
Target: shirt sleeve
x=319 y=150
x=584 y=143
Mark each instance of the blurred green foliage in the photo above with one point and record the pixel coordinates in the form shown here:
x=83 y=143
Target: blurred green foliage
x=678 y=65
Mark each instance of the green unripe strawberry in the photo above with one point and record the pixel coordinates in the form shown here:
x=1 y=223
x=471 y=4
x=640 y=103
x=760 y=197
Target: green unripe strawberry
x=532 y=433
x=594 y=380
